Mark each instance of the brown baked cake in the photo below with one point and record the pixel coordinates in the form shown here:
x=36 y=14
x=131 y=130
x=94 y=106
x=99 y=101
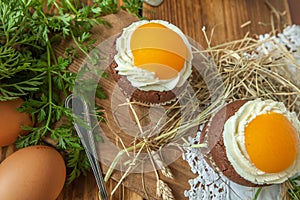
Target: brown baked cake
x=152 y=62
x=149 y=97
x=214 y=135
x=239 y=145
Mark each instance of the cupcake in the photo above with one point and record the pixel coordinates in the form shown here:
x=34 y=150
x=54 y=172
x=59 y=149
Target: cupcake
x=153 y=61
x=254 y=142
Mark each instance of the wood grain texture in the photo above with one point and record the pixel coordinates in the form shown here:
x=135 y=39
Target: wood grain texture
x=226 y=18
x=294 y=6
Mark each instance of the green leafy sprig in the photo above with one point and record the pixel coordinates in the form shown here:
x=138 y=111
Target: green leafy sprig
x=133 y=6
x=30 y=68
x=294 y=188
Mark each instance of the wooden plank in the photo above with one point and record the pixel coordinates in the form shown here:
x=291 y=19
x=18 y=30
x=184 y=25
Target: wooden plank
x=136 y=182
x=294 y=6
x=224 y=16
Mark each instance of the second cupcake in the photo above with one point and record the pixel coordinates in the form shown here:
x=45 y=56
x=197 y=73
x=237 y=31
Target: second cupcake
x=254 y=142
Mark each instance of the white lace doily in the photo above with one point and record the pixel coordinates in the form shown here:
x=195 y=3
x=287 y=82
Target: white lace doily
x=209 y=185
x=214 y=186
x=289 y=41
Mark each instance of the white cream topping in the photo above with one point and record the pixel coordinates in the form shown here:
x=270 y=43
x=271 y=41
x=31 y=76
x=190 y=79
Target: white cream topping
x=141 y=78
x=234 y=141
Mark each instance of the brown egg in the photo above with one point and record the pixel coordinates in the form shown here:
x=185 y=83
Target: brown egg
x=32 y=173
x=11 y=121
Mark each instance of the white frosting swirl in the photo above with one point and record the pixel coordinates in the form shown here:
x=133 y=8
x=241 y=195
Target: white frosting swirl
x=234 y=141
x=141 y=78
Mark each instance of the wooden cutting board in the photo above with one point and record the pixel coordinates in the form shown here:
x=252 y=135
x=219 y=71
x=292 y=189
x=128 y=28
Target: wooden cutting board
x=230 y=19
x=144 y=184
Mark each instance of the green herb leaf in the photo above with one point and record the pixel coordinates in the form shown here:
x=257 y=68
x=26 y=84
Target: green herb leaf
x=31 y=69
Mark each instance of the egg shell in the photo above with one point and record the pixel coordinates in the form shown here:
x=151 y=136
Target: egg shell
x=11 y=121
x=32 y=173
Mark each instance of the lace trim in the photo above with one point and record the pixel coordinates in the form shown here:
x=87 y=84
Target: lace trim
x=215 y=186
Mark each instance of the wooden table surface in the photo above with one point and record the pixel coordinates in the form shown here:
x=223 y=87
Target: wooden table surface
x=230 y=20
x=227 y=18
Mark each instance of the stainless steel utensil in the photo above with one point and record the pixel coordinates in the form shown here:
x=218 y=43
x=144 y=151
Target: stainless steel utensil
x=153 y=2
x=83 y=126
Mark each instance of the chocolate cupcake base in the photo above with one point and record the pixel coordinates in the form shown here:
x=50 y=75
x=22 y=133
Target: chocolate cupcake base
x=148 y=97
x=213 y=134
